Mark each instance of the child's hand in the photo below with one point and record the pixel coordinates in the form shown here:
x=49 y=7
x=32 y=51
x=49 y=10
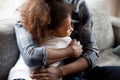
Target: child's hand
x=76 y=48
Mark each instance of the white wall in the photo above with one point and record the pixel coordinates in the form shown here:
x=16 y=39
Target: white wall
x=112 y=5
x=7 y=8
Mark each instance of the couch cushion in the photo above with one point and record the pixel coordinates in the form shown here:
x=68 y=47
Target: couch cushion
x=101 y=23
x=8 y=48
x=116 y=28
x=116 y=50
x=108 y=58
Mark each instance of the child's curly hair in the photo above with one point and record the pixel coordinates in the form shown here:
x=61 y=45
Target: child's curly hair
x=35 y=18
x=59 y=11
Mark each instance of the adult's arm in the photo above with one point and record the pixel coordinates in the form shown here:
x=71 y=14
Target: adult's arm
x=86 y=36
x=83 y=24
x=33 y=54
x=82 y=21
x=83 y=32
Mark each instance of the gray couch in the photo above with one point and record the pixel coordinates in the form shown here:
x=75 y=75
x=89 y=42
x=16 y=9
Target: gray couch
x=8 y=48
x=106 y=31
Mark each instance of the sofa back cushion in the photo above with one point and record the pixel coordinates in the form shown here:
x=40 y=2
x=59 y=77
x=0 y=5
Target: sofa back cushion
x=101 y=23
x=8 y=48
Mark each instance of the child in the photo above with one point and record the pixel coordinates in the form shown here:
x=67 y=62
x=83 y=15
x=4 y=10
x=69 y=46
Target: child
x=49 y=25
x=60 y=27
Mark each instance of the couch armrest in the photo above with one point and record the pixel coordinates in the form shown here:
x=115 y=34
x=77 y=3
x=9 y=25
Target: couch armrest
x=115 y=21
x=116 y=28
x=8 y=48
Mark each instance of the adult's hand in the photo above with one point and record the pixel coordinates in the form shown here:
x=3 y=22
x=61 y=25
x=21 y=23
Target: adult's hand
x=50 y=73
x=76 y=48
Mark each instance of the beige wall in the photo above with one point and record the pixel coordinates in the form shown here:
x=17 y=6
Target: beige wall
x=114 y=7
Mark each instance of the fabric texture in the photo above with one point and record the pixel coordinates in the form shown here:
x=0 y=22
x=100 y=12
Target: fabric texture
x=116 y=33
x=108 y=58
x=56 y=43
x=83 y=33
x=9 y=51
x=23 y=72
x=8 y=48
x=33 y=55
x=103 y=73
x=117 y=50
x=20 y=70
x=101 y=24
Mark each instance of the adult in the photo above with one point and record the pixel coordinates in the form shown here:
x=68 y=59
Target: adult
x=50 y=26
x=84 y=65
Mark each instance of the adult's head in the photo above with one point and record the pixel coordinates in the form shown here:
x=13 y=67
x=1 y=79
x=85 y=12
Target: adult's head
x=37 y=14
x=35 y=18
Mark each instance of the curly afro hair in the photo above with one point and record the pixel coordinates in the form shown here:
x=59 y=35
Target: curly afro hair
x=35 y=18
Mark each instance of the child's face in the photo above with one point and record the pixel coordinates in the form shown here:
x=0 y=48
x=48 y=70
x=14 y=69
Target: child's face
x=65 y=29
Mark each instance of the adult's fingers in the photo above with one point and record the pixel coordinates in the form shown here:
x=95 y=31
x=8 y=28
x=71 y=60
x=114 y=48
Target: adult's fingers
x=43 y=76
